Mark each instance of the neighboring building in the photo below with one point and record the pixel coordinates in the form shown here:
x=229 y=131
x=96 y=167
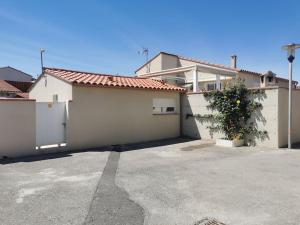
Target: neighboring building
x=199 y=75
x=106 y=109
x=14 y=83
x=7 y=90
x=22 y=86
x=12 y=74
x=269 y=79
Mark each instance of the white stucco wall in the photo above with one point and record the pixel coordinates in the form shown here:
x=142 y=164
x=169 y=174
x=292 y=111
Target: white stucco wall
x=168 y=61
x=154 y=66
x=17 y=133
x=250 y=80
x=109 y=116
x=45 y=87
x=267 y=118
x=160 y=62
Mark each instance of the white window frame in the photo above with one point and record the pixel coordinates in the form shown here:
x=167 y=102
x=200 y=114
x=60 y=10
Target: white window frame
x=215 y=86
x=163 y=106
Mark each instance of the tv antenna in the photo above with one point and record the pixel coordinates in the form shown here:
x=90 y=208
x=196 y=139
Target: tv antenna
x=145 y=52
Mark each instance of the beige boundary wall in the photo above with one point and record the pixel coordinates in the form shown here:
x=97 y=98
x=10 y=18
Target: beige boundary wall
x=107 y=116
x=112 y=116
x=17 y=127
x=95 y=117
x=283 y=118
x=273 y=117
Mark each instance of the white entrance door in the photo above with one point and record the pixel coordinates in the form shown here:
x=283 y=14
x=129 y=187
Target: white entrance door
x=50 y=123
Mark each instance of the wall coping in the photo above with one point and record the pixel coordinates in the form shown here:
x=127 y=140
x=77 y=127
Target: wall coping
x=17 y=99
x=273 y=87
x=254 y=88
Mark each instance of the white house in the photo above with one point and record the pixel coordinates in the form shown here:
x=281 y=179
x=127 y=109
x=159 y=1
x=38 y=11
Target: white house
x=104 y=109
x=199 y=75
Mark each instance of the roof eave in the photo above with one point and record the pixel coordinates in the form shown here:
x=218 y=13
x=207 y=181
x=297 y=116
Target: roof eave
x=182 y=90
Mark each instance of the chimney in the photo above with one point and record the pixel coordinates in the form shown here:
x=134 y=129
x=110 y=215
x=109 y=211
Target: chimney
x=233 y=61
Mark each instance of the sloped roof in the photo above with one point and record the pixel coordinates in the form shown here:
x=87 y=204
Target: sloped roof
x=23 y=95
x=81 y=78
x=13 y=74
x=22 y=86
x=6 y=87
x=200 y=62
x=207 y=63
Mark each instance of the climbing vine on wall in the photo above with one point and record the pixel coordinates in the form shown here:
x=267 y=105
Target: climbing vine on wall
x=232 y=107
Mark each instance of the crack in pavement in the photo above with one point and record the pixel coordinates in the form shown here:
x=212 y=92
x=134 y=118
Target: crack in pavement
x=111 y=205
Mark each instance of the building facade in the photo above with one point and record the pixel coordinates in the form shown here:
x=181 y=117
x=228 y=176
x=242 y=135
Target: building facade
x=14 y=83
x=197 y=75
x=105 y=109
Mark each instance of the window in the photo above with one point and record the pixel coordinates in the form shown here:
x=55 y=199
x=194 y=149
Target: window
x=211 y=87
x=7 y=95
x=164 y=106
x=270 y=79
x=170 y=109
x=55 y=98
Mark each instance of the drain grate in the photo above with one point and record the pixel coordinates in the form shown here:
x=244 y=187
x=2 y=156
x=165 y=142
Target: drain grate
x=209 y=221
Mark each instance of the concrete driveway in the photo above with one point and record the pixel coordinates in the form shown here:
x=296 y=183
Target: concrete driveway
x=183 y=183
x=49 y=190
x=171 y=184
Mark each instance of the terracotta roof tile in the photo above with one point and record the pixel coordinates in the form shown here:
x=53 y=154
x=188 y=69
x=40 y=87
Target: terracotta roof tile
x=247 y=71
x=23 y=95
x=22 y=86
x=6 y=87
x=105 y=80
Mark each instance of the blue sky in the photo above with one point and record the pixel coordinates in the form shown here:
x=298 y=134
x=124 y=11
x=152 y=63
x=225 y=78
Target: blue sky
x=105 y=36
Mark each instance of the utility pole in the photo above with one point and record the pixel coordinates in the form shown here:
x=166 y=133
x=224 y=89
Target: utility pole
x=42 y=62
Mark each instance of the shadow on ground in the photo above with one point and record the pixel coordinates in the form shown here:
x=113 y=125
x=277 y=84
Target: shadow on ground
x=114 y=148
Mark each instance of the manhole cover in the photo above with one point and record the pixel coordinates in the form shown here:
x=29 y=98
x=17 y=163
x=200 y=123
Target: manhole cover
x=209 y=221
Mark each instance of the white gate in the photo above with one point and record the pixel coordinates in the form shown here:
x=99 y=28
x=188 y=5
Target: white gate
x=50 y=123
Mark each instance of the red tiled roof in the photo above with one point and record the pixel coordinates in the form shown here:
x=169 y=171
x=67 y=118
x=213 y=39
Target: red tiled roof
x=22 y=86
x=105 y=80
x=251 y=72
x=23 y=95
x=6 y=87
